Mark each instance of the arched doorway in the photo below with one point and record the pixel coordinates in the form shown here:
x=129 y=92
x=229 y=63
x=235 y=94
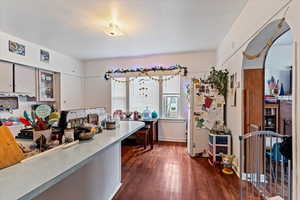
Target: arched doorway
x=254 y=64
x=278 y=80
x=268 y=74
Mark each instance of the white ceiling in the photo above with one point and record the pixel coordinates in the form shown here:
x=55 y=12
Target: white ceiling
x=75 y=27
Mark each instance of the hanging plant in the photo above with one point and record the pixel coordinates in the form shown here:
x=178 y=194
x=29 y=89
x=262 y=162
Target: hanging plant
x=219 y=79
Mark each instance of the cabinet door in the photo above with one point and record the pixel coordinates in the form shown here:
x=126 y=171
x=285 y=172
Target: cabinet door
x=71 y=92
x=25 y=82
x=46 y=86
x=6 y=77
x=95 y=92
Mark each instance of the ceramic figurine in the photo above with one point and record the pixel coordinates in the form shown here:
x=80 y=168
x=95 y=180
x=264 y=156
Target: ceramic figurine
x=227 y=161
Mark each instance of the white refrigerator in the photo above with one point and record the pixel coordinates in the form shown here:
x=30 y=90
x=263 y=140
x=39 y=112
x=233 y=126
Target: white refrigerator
x=206 y=108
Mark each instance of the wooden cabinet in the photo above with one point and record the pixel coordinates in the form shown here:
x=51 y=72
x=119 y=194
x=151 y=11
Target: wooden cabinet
x=25 y=80
x=6 y=77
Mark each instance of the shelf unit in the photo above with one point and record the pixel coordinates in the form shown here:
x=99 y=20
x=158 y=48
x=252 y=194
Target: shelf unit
x=218 y=145
x=271 y=117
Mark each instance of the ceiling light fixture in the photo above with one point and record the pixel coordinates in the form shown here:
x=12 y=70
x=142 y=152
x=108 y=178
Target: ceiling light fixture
x=113 y=30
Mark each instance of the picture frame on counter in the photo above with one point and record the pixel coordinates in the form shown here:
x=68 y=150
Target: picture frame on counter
x=17 y=48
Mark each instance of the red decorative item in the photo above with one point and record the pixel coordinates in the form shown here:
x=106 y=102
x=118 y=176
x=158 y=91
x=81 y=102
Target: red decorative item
x=208 y=102
x=24 y=121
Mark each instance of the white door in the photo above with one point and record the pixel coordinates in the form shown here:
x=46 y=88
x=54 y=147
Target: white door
x=71 y=92
x=95 y=92
x=25 y=80
x=190 y=138
x=6 y=77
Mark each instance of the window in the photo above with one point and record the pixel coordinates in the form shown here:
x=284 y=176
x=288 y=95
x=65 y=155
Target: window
x=162 y=97
x=144 y=92
x=171 y=104
x=118 y=94
x=171 y=97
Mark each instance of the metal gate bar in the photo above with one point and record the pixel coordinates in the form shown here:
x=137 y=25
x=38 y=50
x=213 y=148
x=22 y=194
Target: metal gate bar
x=264 y=171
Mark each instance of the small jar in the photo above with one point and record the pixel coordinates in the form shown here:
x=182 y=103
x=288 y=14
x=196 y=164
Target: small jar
x=69 y=134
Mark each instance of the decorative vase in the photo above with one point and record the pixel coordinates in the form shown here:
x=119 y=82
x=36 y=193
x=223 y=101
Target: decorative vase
x=146 y=114
x=154 y=115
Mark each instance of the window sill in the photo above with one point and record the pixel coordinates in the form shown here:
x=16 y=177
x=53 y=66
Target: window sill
x=172 y=119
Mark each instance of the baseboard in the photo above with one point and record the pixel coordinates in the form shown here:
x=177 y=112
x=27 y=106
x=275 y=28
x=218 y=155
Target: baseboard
x=172 y=139
x=115 y=192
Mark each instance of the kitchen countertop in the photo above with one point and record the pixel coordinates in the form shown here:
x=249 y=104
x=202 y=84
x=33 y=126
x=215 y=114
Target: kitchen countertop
x=29 y=179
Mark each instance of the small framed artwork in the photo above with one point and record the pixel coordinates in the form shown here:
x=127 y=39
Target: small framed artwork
x=44 y=56
x=233 y=89
x=232 y=80
x=16 y=48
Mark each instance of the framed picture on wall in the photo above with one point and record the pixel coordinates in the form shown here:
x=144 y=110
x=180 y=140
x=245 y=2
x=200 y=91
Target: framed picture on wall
x=16 y=48
x=44 y=56
x=233 y=89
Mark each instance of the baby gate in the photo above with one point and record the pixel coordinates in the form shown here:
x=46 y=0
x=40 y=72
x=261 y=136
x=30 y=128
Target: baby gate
x=264 y=172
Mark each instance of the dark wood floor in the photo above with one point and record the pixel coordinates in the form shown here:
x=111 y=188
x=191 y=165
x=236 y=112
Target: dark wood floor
x=168 y=173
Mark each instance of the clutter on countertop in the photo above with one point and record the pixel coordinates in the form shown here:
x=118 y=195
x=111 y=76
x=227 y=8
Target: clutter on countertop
x=46 y=130
x=110 y=123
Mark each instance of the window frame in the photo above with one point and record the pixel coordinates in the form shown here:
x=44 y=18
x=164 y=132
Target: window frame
x=161 y=105
x=164 y=104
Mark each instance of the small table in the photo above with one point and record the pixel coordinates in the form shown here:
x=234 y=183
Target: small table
x=153 y=132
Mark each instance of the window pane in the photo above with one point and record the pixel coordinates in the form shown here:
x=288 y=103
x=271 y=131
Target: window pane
x=144 y=92
x=118 y=95
x=171 y=86
x=170 y=106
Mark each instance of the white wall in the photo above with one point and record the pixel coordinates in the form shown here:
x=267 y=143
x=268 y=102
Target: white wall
x=71 y=69
x=98 y=90
x=253 y=18
x=58 y=62
x=172 y=130
x=278 y=61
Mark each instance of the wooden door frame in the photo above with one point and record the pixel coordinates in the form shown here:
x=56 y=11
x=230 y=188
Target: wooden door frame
x=246 y=102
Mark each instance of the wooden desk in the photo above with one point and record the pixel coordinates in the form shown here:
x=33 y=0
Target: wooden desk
x=153 y=133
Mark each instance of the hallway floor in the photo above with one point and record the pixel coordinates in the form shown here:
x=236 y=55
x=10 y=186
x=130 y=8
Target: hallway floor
x=168 y=173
